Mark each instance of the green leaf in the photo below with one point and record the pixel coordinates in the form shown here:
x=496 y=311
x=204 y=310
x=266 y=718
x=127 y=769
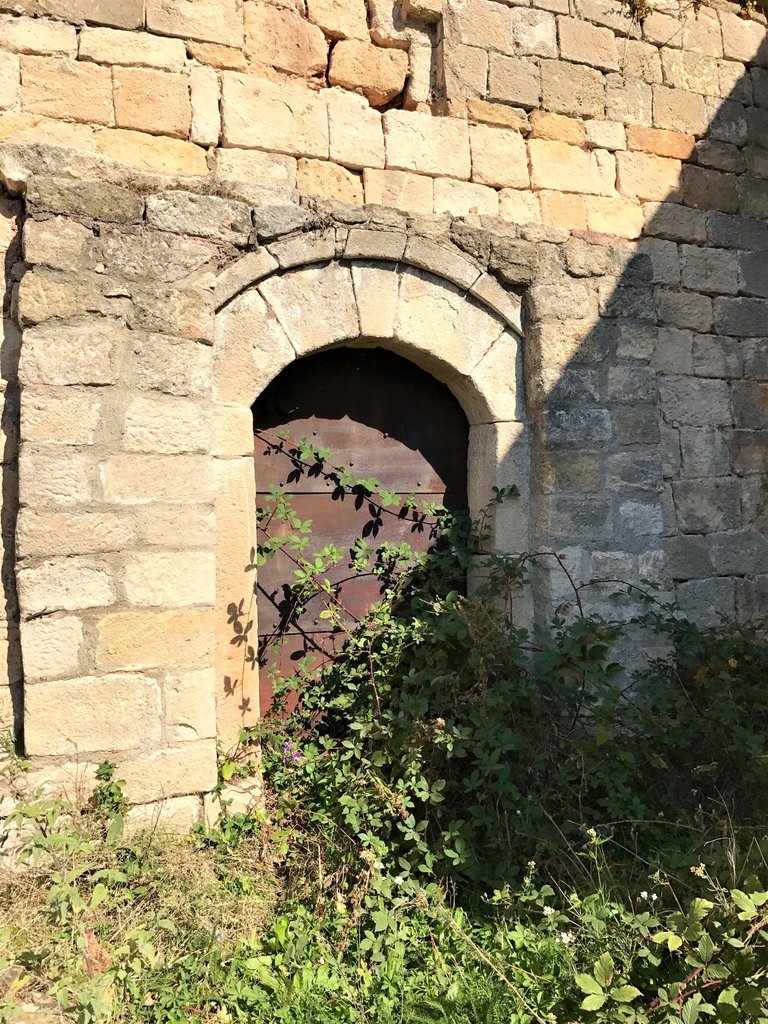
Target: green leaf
x=690 y=1012
x=588 y=984
x=603 y=970
x=625 y=993
x=593 y=1002
x=100 y=893
x=745 y=904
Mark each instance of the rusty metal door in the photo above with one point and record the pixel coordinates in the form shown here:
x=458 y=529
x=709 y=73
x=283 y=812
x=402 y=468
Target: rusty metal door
x=379 y=416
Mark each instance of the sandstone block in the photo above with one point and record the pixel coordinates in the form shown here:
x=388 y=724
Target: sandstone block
x=152 y=101
x=37 y=36
x=73 y=533
x=642 y=176
x=378 y=72
x=175 y=579
x=441 y=260
x=555 y=165
x=212 y=21
x=174 y=816
x=701 y=33
x=743 y=39
x=534 y=32
x=563 y=210
x=573 y=89
x=266 y=115
x=609 y=135
x=612 y=215
x=166 y=425
x=587 y=44
x=488 y=26
x=641 y=60
x=339 y=19
x=376 y=290
x=45 y=295
x=165 y=257
x=244 y=272
x=332 y=287
x=665 y=262
x=111 y=46
x=430 y=145
x=661 y=142
x=59 y=243
x=710 y=190
x=45 y=478
x=461 y=198
x=282 y=38
x=207 y=216
x=174 y=366
x=188 y=768
x=514 y=80
x=65 y=584
x=226 y=58
x=499 y=157
x=190 y=708
x=73 y=354
x=691 y=72
x=356 y=133
x=628 y=100
x=559 y=128
x=62 y=416
x=88 y=199
x=714 y=271
x=311 y=247
x=204 y=95
x=703 y=506
x=684 y=309
x=147 y=639
x=172 y=526
x=399 y=189
x=119 y=13
x=679 y=110
x=61 y=88
x=519 y=207
x=272 y=170
x=669 y=220
x=151 y=153
x=51 y=647
x=465 y=71
x=321 y=178
x=137 y=479
x=94 y=713
x=247 y=358
x=185 y=313
x=695 y=402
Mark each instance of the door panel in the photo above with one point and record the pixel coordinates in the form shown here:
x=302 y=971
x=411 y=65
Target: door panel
x=380 y=416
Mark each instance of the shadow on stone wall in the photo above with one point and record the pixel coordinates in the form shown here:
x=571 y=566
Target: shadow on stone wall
x=650 y=417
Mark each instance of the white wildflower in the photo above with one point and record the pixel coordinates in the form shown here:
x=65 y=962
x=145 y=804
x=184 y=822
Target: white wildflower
x=566 y=938
x=549 y=911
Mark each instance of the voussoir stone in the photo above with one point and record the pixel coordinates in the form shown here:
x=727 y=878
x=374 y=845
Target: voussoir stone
x=185 y=213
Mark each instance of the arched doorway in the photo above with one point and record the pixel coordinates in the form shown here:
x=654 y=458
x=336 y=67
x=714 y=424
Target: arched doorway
x=379 y=416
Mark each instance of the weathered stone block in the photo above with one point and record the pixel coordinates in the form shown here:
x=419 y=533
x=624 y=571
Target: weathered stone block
x=207 y=216
x=740 y=317
x=152 y=101
x=94 y=713
x=378 y=72
x=38 y=36
x=339 y=19
x=749 y=451
x=73 y=533
x=430 y=145
x=332 y=286
x=716 y=357
x=283 y=39
x=204 y=94
x=573 y=89
x=65 y=584
x=111 y=46
x=669 y=220
x=174 y=366
x=188 y=768
x=215 y=21
x=612 y=215
x=703 y=452
x=190 y=708
x=61 y=88
x=714 y=271
x=642 y=176
x=170 y=579
x=488 y=26
x=753 y=273
x=690 y=72
x=152 y=153
x=736 y=232
x=273 y=116
x=62 y=416
x=174 y=526
x=743 y=39
x=147 y=639
x=63 y=354
x=321 y=178
x=638 y=425
x=465 y=69
x=137 y=479
x=706 y=189
x=47 y=479
x=462 y=198
x=535 y=32
x=499 y=157
x=679 y=110
x=356 y=133
x=580 y=518
x=185 y=313
x=750 y=404
x=696 y=402
x=60 y=244
x=514 y=80
x=704 y=506
x=684 y=310
x=587 y=44
x=51 y=647
x=660 y=142
x=555 y=165
x=687 y=557
x=707 y=602
x=628 y=100
x=166 y=425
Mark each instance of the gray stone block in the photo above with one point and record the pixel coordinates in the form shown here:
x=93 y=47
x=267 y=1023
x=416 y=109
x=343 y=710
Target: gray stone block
x=738 y=554
x=684 y=309
x=741 y=317
x=750 y=404
x=707 y=506
x=753 y=268
x=687 y=557
x=272 y=221
x=736 y=232
x=703 y=452
x=696 y=402
x=707 y=602
x=713 y=271
x=716 y=357
x=98 y=200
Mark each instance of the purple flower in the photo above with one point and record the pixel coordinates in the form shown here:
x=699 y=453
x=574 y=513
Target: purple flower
x=290 y=756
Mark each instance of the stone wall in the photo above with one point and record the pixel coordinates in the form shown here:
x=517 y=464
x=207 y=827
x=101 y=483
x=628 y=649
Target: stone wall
x=558 y=211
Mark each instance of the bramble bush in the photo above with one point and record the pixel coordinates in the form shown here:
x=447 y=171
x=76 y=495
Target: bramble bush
x=465 y=821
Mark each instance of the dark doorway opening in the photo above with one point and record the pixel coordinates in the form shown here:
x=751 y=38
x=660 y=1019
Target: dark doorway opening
x=379 y=416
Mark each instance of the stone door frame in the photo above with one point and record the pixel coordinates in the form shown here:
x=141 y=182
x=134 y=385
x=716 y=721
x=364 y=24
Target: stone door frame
x=445 y=315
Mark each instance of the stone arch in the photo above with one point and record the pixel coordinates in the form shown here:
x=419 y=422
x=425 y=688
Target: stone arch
x=418 y=300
